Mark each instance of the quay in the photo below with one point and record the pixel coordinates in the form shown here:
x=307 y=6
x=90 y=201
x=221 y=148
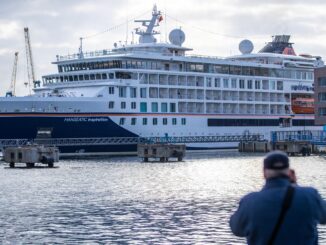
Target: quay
x=302 y=142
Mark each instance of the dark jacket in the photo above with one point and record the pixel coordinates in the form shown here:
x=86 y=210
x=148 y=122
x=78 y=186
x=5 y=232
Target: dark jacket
x=258 y=213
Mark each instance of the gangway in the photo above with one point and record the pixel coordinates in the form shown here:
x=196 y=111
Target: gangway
x=130 y=140
x=315 y=137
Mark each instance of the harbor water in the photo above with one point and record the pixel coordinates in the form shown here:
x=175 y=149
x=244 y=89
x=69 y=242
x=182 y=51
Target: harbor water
x=121 y=200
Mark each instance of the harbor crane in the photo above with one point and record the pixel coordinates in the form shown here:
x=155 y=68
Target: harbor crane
x=30 y=64
x=12 y=89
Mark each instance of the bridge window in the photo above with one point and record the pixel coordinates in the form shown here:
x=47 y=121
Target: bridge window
x=154 y=121
x=104 y=76
x=123 y=105
x=183 y=121
x=86 y=77
x=81 y=77
x=98 y=76
x=144 y=121
x=133 y=105
x=92 y=76
x=111 y=75
x=165 y=121
x=174 y=121
x=123 y=75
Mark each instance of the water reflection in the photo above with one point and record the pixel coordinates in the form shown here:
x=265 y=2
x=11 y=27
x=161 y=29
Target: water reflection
x=119 y=200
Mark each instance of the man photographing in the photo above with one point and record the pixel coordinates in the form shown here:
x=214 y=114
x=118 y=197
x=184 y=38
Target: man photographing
x=281 y=213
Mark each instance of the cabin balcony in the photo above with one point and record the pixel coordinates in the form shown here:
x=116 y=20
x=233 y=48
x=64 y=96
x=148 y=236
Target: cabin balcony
x=153 y=92
x=182 y=81
x=163 y=93
x=153 y=79
x=173 y=80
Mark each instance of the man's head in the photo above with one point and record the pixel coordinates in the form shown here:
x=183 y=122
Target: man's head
x=276 y=164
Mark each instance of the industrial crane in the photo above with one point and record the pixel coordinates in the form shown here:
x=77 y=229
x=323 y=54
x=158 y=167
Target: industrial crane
x=30 y=64
x=12 y=89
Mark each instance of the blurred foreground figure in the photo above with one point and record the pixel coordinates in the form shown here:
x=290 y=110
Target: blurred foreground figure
x=282 y=212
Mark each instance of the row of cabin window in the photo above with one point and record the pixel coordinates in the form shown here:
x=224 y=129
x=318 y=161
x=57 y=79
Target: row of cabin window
x=273 y=85
x=74 y=78
x=87 y=77
x=174 y=121
x=143 y=106
x=192 y=67
x=244 y=84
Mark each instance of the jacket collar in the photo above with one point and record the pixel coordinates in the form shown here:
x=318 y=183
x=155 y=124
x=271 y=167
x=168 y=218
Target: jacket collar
x=277 y=182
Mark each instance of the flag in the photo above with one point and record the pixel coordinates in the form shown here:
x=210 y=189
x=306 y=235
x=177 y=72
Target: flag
x=160 y=18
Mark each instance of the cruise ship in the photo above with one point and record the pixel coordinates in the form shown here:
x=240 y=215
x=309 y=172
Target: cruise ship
x=154 y=89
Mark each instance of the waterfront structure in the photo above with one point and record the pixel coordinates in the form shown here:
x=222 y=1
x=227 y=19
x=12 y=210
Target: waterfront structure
x=153 y=89
x=320 y=96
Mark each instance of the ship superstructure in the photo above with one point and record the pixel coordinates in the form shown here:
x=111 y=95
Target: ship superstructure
x=158 y=89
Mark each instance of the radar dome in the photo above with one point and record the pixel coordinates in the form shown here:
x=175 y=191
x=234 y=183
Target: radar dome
x=246 y=46
x=177 y=37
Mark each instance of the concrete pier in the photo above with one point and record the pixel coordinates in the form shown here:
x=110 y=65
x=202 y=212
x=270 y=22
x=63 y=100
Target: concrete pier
x=161 y=151
x=254 y=146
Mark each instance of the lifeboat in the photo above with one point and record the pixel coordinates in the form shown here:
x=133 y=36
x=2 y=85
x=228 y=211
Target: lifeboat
x=303 y=105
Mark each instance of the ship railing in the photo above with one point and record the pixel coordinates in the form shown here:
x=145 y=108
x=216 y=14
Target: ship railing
x=198 y=56
x=129 y=140
x=89 y=54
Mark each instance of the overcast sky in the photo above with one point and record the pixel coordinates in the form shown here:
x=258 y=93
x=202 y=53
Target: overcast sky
x=212 y=27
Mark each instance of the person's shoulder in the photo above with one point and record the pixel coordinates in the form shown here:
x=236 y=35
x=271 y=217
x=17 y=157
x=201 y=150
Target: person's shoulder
x=250 y=196
x=307 y=190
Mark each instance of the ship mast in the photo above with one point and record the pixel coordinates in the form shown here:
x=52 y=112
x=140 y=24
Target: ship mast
x=147 y=35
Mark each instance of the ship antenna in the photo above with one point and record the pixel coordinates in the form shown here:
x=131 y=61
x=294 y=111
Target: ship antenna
x=165 y=24
x=81 y=55
x=127 y=29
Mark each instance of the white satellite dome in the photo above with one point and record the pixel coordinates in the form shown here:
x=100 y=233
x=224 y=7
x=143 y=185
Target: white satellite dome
x=246 y=46
x=177 y=37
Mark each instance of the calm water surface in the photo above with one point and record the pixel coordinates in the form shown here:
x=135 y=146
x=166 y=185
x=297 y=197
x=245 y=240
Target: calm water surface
x=124 y=201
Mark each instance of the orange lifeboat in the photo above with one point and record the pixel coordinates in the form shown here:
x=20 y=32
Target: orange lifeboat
x=303 y=105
